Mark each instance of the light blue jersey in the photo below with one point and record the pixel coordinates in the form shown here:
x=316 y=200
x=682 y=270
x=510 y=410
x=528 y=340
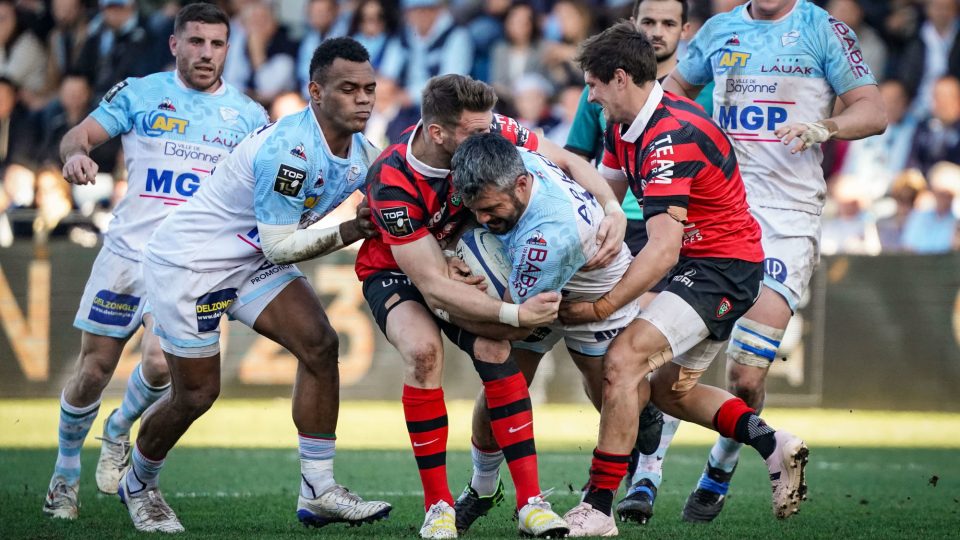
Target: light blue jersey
x=281 y=174
x=556 y=236
x=173 y=136
x=770 y=74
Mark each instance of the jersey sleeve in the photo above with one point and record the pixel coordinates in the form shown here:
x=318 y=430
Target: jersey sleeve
x=511 y=130
x=843 y=63
x=116 y=109
x=255 y=117
x=585 y=130
x=396 y=209
x=610 y=166
x=279 y=180
x=542 y=262
x=669 y=181
x=695 y=67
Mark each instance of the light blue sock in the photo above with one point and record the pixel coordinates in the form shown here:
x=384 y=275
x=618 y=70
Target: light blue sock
x=651 y=467
x=137 y=398
x=75 y=423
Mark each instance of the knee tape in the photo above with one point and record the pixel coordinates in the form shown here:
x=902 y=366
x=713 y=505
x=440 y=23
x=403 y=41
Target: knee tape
x=754 y=344
x=658 y=359
x=687 y=379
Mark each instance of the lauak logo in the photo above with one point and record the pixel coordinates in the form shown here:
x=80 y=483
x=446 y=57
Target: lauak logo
x=724 y=307
x=157 y=123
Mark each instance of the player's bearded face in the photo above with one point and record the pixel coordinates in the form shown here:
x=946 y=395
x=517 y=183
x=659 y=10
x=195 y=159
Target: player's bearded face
x=200 y=50
x=498 y=210
x=347 y=95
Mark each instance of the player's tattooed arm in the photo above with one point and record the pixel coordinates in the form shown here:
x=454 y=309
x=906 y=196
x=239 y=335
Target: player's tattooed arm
x=75 y=148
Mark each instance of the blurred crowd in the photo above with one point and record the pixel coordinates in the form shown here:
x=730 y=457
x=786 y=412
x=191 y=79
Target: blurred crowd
x=896 y=192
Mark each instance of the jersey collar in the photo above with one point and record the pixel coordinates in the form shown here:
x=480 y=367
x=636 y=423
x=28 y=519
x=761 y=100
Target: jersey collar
x=419 y=166
x=219 y=92
x=643 y=118
x=747 y=17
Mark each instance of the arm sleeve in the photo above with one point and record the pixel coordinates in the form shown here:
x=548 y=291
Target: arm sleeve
x=115 y=112
x=585 y=130
x=695 y=67
x=284 y=244
x=843 y=64
x=610 y=167
x=395 y=208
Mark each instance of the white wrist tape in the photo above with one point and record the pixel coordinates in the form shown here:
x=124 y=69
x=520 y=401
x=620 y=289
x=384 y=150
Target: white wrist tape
x=510 y=314
x=612 y=207
x=284 y=244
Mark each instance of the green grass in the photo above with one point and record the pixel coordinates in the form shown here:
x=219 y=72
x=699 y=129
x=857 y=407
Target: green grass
x=236 y=475
x=244 y=493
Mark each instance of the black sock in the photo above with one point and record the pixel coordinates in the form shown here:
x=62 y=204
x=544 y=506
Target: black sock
x=600 y=499
x=752 y=430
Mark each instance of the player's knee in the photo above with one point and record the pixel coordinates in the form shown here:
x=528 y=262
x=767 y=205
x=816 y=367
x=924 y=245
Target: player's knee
x=196 y=401
x=154 y=368
x=319 y=349
x=747 y=382
x=753 y=344
x=95 y=372
x=424 y=362
x=620 y=370
x=491 y=351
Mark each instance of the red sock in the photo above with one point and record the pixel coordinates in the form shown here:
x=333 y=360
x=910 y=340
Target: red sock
x=727 y=416
x=426 y=417
x=607 y=470
x=508 y=402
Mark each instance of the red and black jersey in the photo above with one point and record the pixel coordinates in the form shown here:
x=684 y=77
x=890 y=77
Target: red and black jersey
x=409 y=199
x=678 y=161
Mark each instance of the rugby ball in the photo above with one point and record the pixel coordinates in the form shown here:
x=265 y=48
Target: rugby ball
x=484 y=254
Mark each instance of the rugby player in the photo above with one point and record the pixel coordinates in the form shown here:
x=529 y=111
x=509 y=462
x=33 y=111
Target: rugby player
x=682 y=167
x=230 y=251
x=414 y=294
x=176 y=127
x=779 y=66
x=548 y=225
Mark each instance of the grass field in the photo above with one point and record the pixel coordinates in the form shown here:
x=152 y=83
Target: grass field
x=872 y=475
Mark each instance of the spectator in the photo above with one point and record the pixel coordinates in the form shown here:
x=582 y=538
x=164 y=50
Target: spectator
x=121 y=47
x=520 y=52
x=565 y=109
x=850 y=230
x=428 y=44
x=66 y=39
x=262 y=57
x=486 y=29
x=531 y=95
x=872 y=46
x=569 y=24
x=17 y=144
x=933 y=53
x=934 y=230
x=373 y=23
x=876 y=160
x=286 y=104
x=323 y=21
x=905 y=189
x=938 y=138
x=22 y=58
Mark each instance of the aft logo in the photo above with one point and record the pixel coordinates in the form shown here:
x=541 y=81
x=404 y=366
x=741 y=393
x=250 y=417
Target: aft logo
x=157 y=123
x=731 y=59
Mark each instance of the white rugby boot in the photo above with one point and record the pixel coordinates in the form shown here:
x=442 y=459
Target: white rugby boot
x=339 y=505
x=585 y=520
x=538 y=520
x=786 y=465
x=114 y=458
x=149 y=511
x=62 y=500
x=440 y=522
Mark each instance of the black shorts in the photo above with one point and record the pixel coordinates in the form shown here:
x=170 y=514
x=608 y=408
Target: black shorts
x=719 y=290
x=388 y=289
x=636 y=238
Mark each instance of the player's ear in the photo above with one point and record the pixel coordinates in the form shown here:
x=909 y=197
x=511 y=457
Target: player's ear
x=172 y=42
x=685 y=31
x=315 y=91
x=435 y=132
x=620 y=76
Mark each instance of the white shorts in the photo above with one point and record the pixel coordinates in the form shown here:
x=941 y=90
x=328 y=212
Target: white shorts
x=590 y=339
x=114 y=298
x=791 y=245
x=684 y=329
x=187 y=305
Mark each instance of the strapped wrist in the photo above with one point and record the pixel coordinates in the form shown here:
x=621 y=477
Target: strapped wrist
x=603 y=308
x=510 y=314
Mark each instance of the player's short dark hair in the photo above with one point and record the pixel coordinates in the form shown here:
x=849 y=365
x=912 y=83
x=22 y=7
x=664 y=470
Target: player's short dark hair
x=622 y=46
x=485 y=160
x=342 y=47
x=200 y=12
x=447 y=96
x=684 y=9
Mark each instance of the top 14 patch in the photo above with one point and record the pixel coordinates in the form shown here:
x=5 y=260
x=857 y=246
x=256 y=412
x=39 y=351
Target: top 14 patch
x=289 y=180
